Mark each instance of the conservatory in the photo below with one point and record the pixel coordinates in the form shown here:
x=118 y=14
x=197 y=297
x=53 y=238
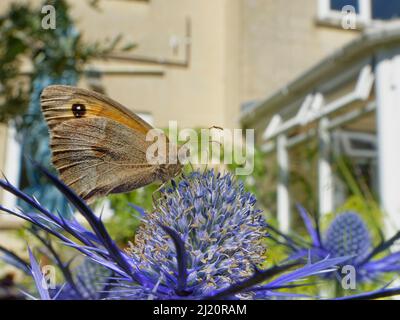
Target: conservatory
x=348 y=105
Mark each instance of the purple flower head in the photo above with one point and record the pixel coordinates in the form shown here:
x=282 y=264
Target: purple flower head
x=203 y=240
x=348 y=235
x=218 y=223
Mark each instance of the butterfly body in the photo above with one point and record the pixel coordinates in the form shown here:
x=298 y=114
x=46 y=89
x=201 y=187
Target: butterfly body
x=98 y=146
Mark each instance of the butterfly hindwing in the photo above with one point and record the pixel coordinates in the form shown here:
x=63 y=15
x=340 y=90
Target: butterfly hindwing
x=98 y=145
x=93 y=158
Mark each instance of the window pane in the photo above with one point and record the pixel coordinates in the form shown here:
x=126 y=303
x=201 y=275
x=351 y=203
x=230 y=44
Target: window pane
x=385 y=10
x=339 y=4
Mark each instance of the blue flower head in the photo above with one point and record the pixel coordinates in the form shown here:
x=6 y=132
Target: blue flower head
x=202 y=240
x=220 y=227
x=348 y=235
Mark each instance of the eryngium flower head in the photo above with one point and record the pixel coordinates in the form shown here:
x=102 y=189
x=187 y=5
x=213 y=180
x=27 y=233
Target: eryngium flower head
x=348 y=235
x=214 y=238
x=221 y=229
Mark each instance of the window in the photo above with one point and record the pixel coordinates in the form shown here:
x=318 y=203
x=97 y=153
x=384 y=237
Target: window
x=338 y=5
x=366 y=11
x=385 y=10
x=148 y=117
x=12 y=167
x=359 y=144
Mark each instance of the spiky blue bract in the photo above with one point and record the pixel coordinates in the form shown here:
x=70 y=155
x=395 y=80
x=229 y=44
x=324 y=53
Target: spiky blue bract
x=220 y=227
x=91 y=280
x=40 y=282
x=203 y=240
x=348 y=235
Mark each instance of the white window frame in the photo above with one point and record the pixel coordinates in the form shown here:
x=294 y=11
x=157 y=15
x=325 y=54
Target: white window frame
x=12 y=165
x=314 y=108
x=347 y=137
x=11 y=171
x=146 y=116
x=333 y=17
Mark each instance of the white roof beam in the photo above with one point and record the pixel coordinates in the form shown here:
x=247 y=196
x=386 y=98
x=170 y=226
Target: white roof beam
x=317 y=110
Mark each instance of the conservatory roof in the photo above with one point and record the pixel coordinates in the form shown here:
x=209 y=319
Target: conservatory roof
x=365 y=44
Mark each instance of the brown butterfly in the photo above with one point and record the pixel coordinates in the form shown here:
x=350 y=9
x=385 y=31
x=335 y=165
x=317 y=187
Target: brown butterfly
x=99 y=146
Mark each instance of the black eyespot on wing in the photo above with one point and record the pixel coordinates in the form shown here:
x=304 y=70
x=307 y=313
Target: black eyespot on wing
x=78 y=110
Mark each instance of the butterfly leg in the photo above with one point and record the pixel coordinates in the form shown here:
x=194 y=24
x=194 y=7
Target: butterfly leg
x=157 y=190
x=216 y=127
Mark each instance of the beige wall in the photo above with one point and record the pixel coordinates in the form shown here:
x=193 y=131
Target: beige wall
x=280 y=40
x=3 y=140
x=203 y=94
x=240 y=50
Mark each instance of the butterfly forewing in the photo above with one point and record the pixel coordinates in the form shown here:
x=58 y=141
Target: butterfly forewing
x=62 y=103
x=98 y=146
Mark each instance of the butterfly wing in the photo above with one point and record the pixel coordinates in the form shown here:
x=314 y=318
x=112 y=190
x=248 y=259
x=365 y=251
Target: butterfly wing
x=98 y=156
x=58 y=105
x=99 y=151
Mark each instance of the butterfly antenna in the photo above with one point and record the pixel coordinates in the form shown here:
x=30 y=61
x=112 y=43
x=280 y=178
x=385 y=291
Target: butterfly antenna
x=155 y=191
x=190 y=163
x=210 y=141
x=218 y=128
x=205 y=168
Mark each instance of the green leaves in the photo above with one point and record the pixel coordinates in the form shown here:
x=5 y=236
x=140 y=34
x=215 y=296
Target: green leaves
x=52 y=52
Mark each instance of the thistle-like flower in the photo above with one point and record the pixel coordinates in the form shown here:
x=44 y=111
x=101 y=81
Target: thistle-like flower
x=347 y=235
x=203 y=240
x=218 y=223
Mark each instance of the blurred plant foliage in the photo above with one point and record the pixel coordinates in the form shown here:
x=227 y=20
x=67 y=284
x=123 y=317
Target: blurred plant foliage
x=253 y=182
x=25 y=42
x=123 y=224
x=32 y=58
x=361 y=198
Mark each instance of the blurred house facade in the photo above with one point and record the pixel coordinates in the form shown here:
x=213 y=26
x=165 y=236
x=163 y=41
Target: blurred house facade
x=184 y=66
x=345 y=105
x=214 y=62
